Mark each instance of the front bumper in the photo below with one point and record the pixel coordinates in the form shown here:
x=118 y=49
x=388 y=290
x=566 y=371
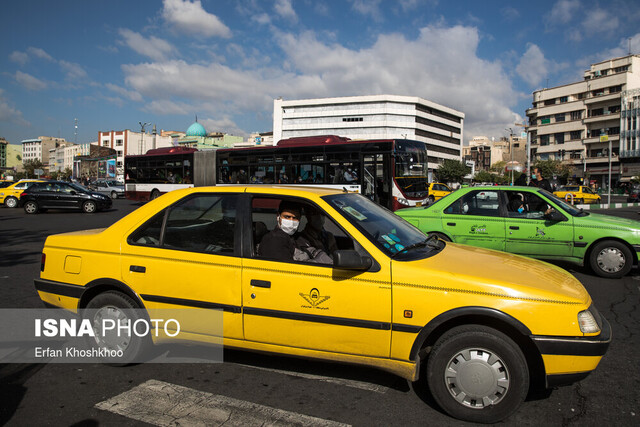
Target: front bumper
x=570 y=359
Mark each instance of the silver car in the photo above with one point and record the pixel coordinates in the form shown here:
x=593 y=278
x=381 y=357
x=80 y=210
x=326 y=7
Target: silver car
x=111 y=188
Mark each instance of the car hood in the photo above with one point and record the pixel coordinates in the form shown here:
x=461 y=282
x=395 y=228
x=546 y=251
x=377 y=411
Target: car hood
x=607 y=221
x=471 y=270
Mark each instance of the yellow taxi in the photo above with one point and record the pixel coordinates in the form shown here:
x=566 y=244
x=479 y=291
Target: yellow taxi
x=577 y=194
x=437 y=191
x=388 y=297
x=11 y=195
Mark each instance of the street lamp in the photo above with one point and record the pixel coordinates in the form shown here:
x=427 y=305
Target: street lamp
x=142 y=126
x=511 y=150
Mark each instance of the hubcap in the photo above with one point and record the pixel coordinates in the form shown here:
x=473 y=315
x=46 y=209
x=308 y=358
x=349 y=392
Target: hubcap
x=90 y=207
x=31 y=207
x=110 y=340
x=477 y=378
x=11 y=202
x=611 y=260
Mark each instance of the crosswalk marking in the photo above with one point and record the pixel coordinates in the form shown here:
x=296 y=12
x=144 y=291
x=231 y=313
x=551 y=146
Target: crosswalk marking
x=164 y=404
x=340 y=381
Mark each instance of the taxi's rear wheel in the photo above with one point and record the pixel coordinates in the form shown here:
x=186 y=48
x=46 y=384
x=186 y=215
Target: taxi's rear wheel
x=119 y=308
x=578 y=201
x=31 y=207
x=154 y=195
x=611 y=259
x=11 y=202
x=431 y=199
x=477 y=374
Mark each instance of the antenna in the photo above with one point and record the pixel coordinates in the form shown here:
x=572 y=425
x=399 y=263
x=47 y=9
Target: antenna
x=75 y=141
x=629 y=45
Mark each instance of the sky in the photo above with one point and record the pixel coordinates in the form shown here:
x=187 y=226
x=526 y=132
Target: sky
x=112 y=64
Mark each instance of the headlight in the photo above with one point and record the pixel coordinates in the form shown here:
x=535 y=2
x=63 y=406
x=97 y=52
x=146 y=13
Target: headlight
x=587 y=322
x=403 y=201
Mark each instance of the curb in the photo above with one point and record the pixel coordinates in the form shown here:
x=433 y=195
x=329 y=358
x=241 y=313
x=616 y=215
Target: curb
x=608 y=206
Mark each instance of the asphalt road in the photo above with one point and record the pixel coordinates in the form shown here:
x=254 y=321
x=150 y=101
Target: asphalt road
x=65 y=394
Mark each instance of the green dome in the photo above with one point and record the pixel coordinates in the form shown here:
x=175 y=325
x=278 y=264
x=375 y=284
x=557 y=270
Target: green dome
x=196 y=129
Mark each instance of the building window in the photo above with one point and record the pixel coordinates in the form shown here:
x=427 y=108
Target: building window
x=119 y=153
x=575 y=134
x=544 y=139
x=119 y=164
x=550 y=101
x=545 y=120
x=118 y=142
x=105 y=143
x=597 y=92
x=576 y=115
x=615 y=89
x=559 y=138
x=559 y=117
x=564 y=99
x=352 y=119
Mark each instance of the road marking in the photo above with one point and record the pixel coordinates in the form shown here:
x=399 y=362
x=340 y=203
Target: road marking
x=164 y=404
x=340 y=381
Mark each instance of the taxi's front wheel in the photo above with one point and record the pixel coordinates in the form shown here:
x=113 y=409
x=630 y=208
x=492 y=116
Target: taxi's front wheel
x=477 y=374
x=121 y=346
x=611 y=259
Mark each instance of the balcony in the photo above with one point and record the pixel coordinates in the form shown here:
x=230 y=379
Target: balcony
x=627 y=154
x=602 y=117
x=602 y=98
x=595 y=139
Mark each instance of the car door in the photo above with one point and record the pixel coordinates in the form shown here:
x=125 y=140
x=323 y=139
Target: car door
x=187 y=257
x=48 y=195
x=314 y=306
x=68 y=197
x=475 y=219
x=531 y=233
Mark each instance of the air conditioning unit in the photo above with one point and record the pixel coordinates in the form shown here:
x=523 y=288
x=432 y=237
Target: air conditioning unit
x=596 y=73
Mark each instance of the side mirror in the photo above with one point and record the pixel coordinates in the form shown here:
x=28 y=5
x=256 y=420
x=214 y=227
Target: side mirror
x=351 y=260
x=73 y=192
x=555 y=216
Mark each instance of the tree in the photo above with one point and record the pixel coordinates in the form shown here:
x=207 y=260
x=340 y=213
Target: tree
x=65 y=174
x=484 y=176
x=30 y=166
x=498 y=167
x=452 y=171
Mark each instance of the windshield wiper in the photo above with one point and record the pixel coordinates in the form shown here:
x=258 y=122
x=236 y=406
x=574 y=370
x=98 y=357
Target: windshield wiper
x=425 y=242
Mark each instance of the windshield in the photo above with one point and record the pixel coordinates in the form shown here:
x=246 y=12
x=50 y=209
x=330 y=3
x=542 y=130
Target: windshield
x=410 y=171
x=570 y=209
x=78 y=187
x=390 y=233
x=569 y=188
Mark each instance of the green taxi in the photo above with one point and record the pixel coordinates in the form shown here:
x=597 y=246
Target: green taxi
x=533 y=222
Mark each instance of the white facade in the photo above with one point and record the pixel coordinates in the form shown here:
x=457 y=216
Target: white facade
x=128 y=143
x=578 y=122
x=62 y=157
x=374 y=117
x=38 y=148
x=257 y=140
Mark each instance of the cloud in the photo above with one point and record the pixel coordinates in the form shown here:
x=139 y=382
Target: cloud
x=73 y=71
x=153 y=47
x=285 y=10
x=369 y=8
x=129 y=94
x=441 y=64
x=224 y=125
x=39 y=53
x=29 y=82
x=8 y=114
x=533 y=66
x=19 y=57
x=166 y=107
x=599 y=21
x=510 y=13
x=562 y=12
x=190 y=18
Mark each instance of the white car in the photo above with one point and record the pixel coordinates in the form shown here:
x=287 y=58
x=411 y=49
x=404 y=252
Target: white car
x=111 y=188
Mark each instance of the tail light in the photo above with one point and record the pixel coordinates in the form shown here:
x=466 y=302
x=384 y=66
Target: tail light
x=42 y=261
x=24 y=193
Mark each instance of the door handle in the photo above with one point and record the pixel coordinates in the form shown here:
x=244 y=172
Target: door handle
x=514 y=227
x=451 y=223
x=137 y=268
x=261 y=283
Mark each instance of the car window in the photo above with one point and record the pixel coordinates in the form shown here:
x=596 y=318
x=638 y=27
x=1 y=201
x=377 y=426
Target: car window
x=199 y=223
x=315 y=242
x=476 y=203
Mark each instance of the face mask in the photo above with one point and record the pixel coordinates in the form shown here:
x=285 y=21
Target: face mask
x=520 y=209
x=289 y=226
x=533 y=176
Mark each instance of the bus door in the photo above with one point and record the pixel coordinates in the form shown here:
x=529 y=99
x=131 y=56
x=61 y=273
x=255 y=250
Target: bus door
x=376 y=179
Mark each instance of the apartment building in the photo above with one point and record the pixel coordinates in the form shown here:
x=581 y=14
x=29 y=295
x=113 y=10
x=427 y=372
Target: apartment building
x=62 y=157
x=374 y=117
x=485 y=152
x=582 y=123
x=38 y=148
x=127 y=143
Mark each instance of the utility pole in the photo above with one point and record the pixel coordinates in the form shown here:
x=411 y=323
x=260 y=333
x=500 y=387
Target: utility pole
x=511 y=151
x=528 y=147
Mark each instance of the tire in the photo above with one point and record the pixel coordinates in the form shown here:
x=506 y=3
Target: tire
x=611 y=259
x=31 y=207
x=89 y=207
x=154 y=195
x=117 y=306
x=11 y=202
x=478 y=374
x=114 y=195
x=431 y=199
x=578 y=201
